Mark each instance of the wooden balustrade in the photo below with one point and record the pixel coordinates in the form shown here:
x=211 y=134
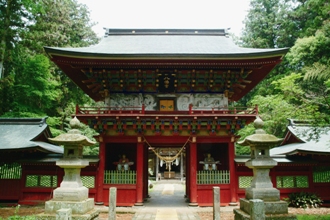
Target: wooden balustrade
x=119 y=177
x=213 y=177
x=140 y=110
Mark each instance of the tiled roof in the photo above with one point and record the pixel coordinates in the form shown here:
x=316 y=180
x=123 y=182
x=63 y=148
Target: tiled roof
x=20 y=134
x=198 y=43
x=310 y=143
x=278 y=158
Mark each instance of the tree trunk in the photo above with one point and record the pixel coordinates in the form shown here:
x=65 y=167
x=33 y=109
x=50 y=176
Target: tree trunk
x=3 y=35
x=2 y=56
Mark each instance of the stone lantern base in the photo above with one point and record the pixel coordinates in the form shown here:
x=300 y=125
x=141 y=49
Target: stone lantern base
x=70 y=194
x=82 y=210
x=277 y=210
x=266 y=194
x=80 y=207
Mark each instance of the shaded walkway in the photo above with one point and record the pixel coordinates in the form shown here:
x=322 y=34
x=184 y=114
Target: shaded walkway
x=167 y=201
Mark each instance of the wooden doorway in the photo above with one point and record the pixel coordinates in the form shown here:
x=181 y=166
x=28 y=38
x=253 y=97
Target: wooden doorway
x=166 y=105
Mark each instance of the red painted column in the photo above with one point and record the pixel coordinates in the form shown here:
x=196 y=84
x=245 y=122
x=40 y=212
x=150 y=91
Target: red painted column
x=193 y=173
x=139 y=172
x=100 y=174
x=145 y=172
x=187 y=172
x=232 y=170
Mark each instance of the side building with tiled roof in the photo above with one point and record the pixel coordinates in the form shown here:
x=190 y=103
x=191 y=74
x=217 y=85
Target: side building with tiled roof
x=28 y=171
x=303 y=162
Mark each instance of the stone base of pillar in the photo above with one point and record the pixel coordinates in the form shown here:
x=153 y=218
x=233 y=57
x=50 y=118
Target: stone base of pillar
x=265 y=194
x=278 y=207
x=80 y=207
x=71 y=194
x=193 y=204
x=277 y=210
x=138 y=204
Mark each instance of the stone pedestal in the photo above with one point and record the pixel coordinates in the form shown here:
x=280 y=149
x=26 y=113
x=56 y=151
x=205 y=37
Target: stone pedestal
x=71 y=196
x=80 y=207
x=262 y=200
x=271 y=210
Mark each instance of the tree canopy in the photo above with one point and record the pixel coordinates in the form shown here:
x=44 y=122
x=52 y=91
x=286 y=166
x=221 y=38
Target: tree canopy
x=299 y=87
x=30 y=85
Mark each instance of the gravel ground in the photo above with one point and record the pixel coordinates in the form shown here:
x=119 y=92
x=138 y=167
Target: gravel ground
x=230 y=215
x=5 y=212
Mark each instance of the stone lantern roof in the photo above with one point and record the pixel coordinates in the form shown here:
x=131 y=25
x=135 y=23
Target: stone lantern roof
x=260 y=138
x=73 y=137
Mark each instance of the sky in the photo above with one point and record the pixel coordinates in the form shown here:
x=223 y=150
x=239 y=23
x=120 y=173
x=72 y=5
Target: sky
x=195 y=14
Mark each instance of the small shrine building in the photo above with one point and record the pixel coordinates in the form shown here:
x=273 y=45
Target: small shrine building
x=166 y=110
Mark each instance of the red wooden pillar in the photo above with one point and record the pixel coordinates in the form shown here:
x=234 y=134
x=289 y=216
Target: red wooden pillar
x=100 y=174
x=145 y=172
x=187 y=172
x=139 y=172
x=193 y=173
x=233 y=177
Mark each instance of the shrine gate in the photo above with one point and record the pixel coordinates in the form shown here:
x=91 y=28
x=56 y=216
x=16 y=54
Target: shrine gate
x=161 y=91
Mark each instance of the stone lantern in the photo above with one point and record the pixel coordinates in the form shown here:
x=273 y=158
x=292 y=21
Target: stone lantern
x=261 y=185
x=71 y=194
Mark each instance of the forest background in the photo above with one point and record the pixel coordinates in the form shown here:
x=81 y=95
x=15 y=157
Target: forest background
x=32 y=86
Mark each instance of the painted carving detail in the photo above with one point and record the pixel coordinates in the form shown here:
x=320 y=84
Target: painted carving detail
x=199 y=101
x=131 y=102
x=202 y=101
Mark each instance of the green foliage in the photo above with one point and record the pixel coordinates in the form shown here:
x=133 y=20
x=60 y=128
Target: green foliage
x=90 y=133
x=288 y=103
x=311 y=57
x=32 y=86
x=61 y=24
x=243 y=133
x=36 y=88
x=313 y=217
x=298 y=87
x=309 y=16
x=304 y=200
x=312 y=49
x=18 y=217
x=266 y=23
x=55 y=124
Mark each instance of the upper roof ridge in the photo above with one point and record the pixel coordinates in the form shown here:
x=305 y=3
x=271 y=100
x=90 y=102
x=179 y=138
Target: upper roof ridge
x=23 y=121
x=169 y=31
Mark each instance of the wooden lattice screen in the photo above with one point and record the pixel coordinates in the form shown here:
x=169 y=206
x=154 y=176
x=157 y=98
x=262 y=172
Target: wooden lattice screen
x=88 y=181
x=41 y=181
x=292 y=181
x=119 y=177
x=213 y=177
x=244 y=181
x=321 y=174
x=10 y=171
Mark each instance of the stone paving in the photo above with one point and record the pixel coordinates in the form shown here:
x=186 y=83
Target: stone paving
x=167 y=201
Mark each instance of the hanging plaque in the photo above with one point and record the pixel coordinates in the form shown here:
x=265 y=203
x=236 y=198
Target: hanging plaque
x=166 y=82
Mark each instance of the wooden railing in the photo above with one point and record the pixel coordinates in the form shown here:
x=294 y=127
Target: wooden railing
x=111 y=110
x=10 y=171
x=213 y=177
x=119 y=177
x=140 y=110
